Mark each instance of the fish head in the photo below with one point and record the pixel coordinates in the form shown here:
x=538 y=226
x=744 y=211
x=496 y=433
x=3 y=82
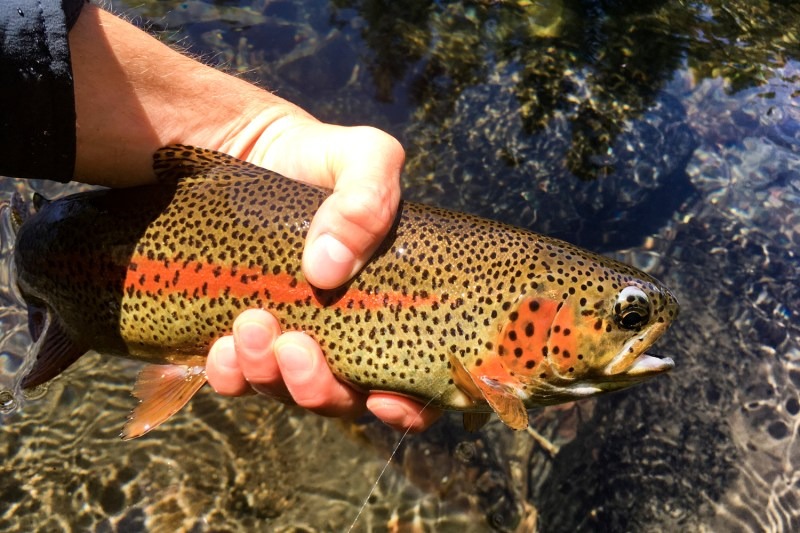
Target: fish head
x=585 y=331
x=618 y=332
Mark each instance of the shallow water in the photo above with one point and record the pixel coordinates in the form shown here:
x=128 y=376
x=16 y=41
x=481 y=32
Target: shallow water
x=667 y=135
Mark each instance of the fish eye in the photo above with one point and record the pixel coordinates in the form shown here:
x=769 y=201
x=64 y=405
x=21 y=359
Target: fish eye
x=632 y=308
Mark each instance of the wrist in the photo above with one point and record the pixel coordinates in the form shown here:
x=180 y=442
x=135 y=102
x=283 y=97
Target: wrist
x=126 y=110
x=254 y=133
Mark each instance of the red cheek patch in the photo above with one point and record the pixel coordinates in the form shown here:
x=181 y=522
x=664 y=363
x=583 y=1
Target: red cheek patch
x=538 y=337
x=522 y=343
x=562 y=346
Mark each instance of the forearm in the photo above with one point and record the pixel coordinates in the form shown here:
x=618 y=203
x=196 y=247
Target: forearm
x=126 y=110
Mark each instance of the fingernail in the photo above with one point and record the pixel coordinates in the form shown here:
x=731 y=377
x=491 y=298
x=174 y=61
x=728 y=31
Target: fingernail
x=335 y=250
x=252 y=336
x=391 y=413
x=329 y=261
x=225 y=354
x=296 y=361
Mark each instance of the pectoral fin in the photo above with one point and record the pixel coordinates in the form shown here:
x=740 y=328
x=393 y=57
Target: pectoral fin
x=162 y=390
x=502 y=398
x=504 y=401
x=463 y=379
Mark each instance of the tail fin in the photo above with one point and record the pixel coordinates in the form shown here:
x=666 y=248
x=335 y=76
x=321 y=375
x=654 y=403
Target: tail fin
x=21 y=210
x=53 y=352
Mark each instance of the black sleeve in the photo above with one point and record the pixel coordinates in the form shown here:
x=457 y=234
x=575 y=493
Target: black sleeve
x=37 y=101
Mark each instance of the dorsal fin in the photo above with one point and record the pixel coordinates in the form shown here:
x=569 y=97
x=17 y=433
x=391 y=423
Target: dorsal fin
x=162 y=390
x=178 y=161
x=55 y=351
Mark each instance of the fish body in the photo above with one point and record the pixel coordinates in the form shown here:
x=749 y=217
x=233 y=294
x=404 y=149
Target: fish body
x=471 y=314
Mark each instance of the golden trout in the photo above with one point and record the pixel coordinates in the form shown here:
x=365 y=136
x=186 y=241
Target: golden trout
x=471 y=314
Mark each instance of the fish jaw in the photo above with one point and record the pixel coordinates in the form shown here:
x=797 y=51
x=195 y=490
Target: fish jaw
x=643 y=368
x=631 y=366
x=632 y=361
x=646 y=366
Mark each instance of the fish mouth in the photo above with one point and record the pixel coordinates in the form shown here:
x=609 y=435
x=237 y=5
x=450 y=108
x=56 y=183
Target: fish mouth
x=632 y=361
x=642 y=368
x=645 y=366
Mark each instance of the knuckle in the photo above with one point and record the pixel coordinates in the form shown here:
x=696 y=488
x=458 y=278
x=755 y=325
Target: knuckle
x=371 y=207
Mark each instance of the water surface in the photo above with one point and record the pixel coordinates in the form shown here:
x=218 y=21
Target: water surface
x=663 y=133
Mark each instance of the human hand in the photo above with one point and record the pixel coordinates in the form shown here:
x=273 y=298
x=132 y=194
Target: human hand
x=158 y=97
x=362 y=166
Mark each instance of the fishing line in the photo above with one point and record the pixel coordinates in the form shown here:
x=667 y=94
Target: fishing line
x=386 y=466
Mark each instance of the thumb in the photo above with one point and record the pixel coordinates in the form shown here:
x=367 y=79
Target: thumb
x=350 y=224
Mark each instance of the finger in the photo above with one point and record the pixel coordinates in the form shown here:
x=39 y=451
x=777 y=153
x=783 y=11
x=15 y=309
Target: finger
x=354 y=220
x=402 y=413
x=310 y=381
x=223 y=371
x=254 y=333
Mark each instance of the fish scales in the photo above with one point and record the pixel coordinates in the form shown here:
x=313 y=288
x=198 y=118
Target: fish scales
x=469 y=313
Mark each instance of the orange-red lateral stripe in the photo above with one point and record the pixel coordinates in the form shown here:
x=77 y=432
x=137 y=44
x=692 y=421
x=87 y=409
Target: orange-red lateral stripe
x=203 y=280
